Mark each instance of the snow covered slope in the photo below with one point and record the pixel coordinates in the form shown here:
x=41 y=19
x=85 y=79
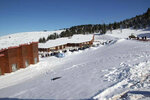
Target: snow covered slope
x=124 y=33
x=120 y=69
x=25 y=37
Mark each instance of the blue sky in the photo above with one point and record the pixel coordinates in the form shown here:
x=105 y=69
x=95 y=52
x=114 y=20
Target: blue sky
x=36 y=15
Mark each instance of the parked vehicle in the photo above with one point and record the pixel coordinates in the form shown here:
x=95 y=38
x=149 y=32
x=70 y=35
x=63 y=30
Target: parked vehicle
x=60 y=55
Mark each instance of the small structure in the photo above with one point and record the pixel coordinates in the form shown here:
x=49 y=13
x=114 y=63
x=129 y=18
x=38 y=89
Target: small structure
x=17 y=57
x=140 y=38
x=132 y=36
x=60 y=55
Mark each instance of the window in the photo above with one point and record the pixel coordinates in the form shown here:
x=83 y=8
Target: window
x=35 y=60
x=52 y=48
x=14 y=67
x=26 y=63
x=0 y=72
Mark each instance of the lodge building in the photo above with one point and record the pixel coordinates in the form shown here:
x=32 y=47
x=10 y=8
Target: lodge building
x=65 y=45
x=14 y=58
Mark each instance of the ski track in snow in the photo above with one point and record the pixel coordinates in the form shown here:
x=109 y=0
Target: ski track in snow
x=75 y=66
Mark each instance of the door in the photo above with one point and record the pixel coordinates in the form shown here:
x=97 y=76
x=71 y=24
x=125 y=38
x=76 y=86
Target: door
x=14 y=67
x=35 y=60
x=26 y=63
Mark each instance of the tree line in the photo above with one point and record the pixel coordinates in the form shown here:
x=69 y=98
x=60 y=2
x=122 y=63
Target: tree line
x=50 y=37
x=140 y=21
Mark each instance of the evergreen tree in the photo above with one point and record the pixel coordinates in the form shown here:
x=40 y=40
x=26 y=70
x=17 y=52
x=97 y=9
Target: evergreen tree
x=42 y=40
x=103 y=29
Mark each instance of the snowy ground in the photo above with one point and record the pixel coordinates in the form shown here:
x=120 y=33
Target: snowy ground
x=120 y=69
x=124 y=33
x=24 y=37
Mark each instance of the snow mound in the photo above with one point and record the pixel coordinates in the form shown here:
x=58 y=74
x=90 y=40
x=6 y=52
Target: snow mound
x=130 y=80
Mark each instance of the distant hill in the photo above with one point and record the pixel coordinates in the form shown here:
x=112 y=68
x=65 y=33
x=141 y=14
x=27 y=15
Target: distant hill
x=24 y=37
x=140 y=21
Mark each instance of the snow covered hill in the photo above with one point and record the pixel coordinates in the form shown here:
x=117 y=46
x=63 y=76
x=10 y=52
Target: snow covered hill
x=24 y=37
x=124 y=33
x=117 y=69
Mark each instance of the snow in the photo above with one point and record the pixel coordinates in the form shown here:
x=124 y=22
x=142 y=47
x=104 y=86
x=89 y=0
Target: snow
x=116 y=69
x=62 y=41
x=125 y=33
x=24 y=37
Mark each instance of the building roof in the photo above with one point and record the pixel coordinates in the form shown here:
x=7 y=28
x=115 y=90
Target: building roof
x=62 y=41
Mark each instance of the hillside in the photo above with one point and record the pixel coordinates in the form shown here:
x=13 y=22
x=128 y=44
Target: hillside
x=117 y=69
x=24 y=37
x=125 y=33
x=74 y=49
x=138 y=22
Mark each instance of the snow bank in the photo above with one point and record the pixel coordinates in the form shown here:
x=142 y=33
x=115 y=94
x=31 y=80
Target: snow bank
x=132 y=79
